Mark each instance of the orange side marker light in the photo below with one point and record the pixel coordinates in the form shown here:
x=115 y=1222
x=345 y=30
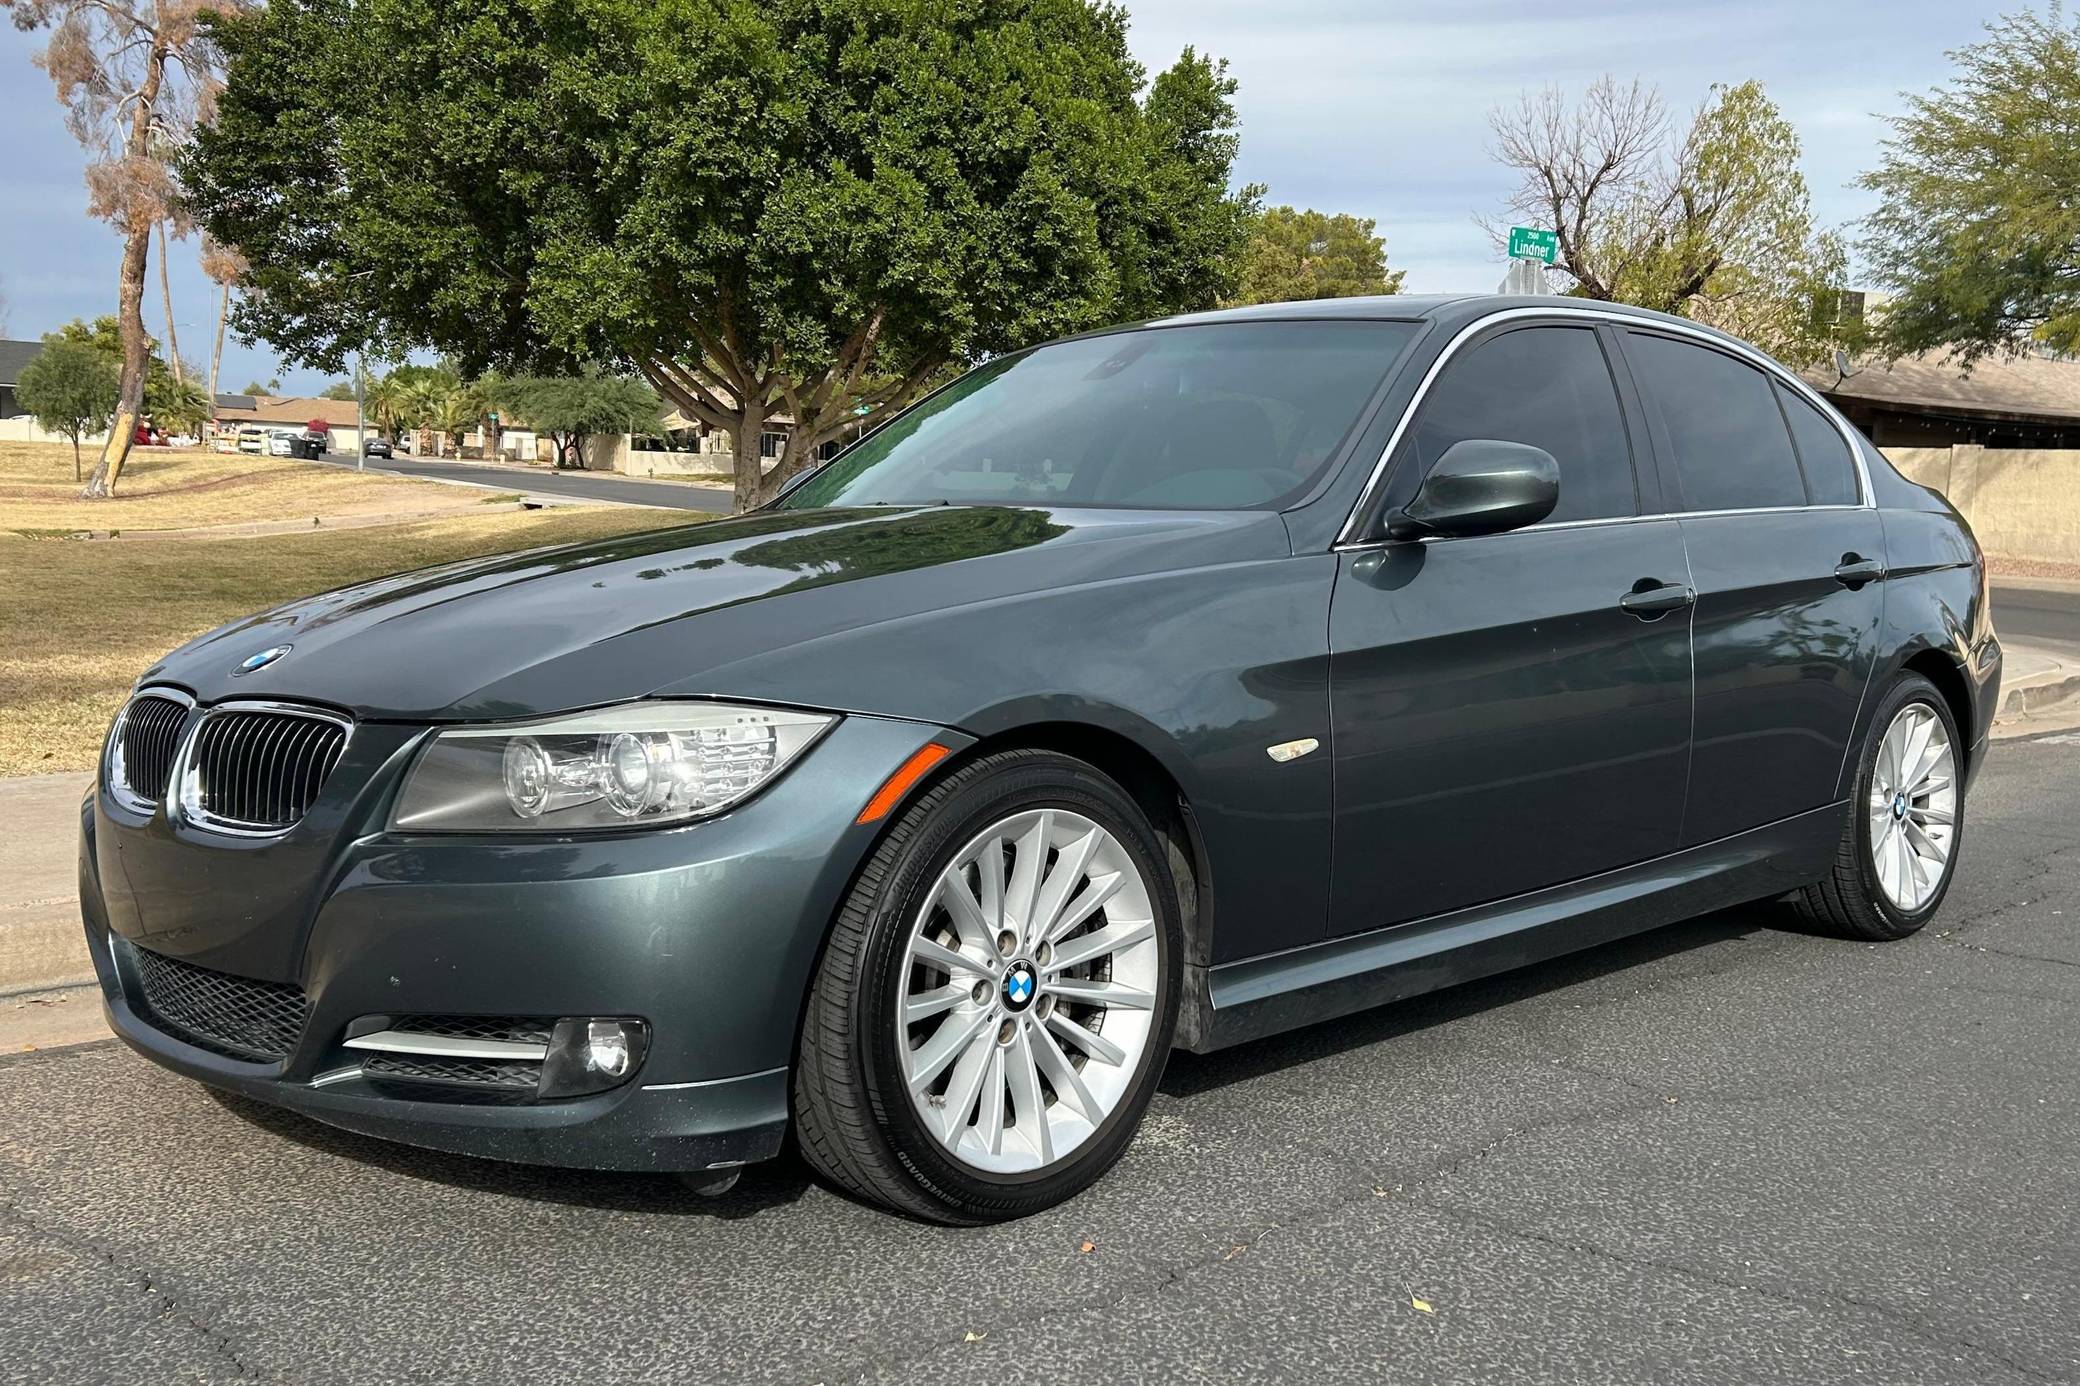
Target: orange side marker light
x=897 y=785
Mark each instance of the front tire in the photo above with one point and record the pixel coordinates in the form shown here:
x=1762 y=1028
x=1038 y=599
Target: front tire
x=1898 y=851
x=998 y=997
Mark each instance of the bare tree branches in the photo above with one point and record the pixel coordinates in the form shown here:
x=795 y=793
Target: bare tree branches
x=1716 y=225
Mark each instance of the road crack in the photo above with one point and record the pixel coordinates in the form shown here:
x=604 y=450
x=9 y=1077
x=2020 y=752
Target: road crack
x=163 y=1302
x=1908 y=1320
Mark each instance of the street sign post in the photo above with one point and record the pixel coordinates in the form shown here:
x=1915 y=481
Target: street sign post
x=1530 y=243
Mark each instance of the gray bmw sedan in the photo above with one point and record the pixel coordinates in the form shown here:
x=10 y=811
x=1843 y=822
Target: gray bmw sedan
x=1167 y=686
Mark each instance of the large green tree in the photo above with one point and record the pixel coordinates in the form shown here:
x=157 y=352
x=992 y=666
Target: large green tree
x=69 y=388
x=1295 y=255
x=1710 y=219
x=1978 y=229
x=762 y=207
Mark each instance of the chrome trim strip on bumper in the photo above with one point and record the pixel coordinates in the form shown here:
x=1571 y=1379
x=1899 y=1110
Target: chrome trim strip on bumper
x=447 y=1046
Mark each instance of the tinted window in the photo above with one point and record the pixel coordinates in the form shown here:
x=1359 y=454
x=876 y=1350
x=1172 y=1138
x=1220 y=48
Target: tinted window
x=1549 y=387
x=1732 y=452
x=1222 y=416
x=1830 y=471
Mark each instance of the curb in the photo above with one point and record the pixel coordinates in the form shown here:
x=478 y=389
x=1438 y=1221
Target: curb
x=2038 y=694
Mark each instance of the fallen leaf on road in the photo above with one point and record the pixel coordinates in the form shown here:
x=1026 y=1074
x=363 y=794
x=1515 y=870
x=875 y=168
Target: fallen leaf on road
x=1088 y=1247
x=1421 y=1306
x=974 y=1337
x=1235 y=1251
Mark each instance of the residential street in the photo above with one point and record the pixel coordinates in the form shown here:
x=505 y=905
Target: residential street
x=2041 y=612
x=1726 y=1152
x=546 y=481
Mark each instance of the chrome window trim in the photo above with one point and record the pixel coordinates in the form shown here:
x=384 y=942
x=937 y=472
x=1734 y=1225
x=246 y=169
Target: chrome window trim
x=184 y=798
x=1559 y=313
x=123 y=795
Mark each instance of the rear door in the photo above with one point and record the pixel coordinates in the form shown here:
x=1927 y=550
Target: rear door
x=1786 y=560
x=1502 y=721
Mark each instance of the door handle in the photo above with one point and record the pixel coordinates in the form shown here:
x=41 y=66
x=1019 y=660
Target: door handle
x=1855 y=571
x=1650 y=599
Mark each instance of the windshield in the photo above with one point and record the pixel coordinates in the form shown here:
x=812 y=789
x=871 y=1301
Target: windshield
x=1223 y=416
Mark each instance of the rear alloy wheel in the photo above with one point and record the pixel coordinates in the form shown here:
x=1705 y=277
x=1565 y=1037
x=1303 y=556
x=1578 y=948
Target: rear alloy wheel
x=1897 y=852
x=997 y=999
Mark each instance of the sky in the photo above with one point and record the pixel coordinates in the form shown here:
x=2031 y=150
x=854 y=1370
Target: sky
x=1362 y=106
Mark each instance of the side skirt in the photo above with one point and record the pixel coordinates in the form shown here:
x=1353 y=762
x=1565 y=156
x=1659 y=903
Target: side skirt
x=1242 y=1001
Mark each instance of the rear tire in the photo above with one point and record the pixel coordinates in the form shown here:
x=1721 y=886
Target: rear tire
x=975 y=1057
x=1898 y=851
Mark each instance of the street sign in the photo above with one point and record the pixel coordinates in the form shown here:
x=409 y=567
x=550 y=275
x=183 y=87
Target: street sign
x=1530 y=243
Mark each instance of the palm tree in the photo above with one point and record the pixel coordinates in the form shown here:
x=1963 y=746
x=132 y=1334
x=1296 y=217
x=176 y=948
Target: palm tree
x=454 y=412
x=388 y=399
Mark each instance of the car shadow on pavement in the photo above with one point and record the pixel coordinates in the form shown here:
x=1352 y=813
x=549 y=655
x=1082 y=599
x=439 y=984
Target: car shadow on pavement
x=1189 y=1074
x=773 y=1183
x=785 y=1180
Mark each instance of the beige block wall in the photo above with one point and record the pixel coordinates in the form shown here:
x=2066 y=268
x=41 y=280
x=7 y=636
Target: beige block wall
x=2020 y=502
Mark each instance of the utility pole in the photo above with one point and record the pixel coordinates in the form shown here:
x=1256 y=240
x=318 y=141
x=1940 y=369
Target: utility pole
x=360 y=413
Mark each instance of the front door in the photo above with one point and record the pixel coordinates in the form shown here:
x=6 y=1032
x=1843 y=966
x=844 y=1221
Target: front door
x=1508 y=713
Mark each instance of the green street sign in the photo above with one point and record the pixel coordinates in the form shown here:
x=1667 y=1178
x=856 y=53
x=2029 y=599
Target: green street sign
x=1530 y=243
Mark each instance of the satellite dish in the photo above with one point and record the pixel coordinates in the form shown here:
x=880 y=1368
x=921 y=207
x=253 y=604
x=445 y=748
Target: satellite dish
x=1843 y=367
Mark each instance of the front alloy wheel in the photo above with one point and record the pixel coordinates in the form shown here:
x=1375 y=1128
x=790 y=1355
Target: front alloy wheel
x=996 y=1001
x=1029 y=987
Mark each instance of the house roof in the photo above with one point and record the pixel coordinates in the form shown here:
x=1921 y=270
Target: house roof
x=2014 y=387
x=13 y=356
x=293 y=409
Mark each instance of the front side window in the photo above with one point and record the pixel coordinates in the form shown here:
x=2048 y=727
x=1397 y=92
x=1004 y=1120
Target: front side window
x=1732 y=451
x=1219 y=416
x=1830 y=470
x=1549 y=387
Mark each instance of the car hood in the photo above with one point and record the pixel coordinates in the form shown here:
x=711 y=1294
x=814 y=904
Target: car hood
x=549 y=630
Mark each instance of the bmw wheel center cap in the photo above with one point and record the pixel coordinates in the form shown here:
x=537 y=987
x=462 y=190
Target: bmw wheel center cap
x=1019 y=986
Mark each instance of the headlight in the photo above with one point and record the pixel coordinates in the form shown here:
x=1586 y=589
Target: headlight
x=637 y=764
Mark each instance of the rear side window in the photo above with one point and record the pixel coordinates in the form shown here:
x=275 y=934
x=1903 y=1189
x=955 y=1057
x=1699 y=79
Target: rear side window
x=1731 y=448
x=1551 y=388
x=1830 y=470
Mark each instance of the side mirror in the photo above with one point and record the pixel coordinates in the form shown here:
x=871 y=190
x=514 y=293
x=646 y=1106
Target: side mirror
x=1480 y=486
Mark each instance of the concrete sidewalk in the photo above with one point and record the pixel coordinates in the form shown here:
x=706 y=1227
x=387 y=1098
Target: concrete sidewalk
x=40 y=943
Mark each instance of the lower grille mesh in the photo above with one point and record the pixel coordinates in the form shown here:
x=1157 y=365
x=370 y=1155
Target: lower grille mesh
x=235 y=1016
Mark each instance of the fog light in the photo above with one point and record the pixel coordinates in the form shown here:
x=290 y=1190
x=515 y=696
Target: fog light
x=589 y=1055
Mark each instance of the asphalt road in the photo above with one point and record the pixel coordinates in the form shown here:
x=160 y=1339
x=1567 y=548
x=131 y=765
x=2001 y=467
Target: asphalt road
x=546 y=481
x=2046 y=614
x=1725 y=1152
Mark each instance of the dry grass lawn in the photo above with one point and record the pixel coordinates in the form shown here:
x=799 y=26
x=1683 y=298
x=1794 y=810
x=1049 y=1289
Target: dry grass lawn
x=168 y=488
x=80 y=619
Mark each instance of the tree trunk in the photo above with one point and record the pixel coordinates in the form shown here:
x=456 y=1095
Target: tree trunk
x=137 y=248
x=216 y=353
x=75 y=457
x=136 y=359
x=750 y=473
x=173 y=341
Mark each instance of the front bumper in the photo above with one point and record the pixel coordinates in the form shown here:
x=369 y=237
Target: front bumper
x=710 y=933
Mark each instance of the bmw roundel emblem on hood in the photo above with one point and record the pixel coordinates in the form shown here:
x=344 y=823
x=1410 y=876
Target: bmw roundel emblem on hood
x=260 y=660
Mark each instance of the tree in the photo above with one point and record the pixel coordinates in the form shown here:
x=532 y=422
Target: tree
x=572 y=407
x=225 y=267
x=254 y=387
x=1716 y=225
x=1295 y=255
x=171 y=400
x=338 y=389
x=70 y=388
x=799 y=208
x=133 y=76
x=1978 y=229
